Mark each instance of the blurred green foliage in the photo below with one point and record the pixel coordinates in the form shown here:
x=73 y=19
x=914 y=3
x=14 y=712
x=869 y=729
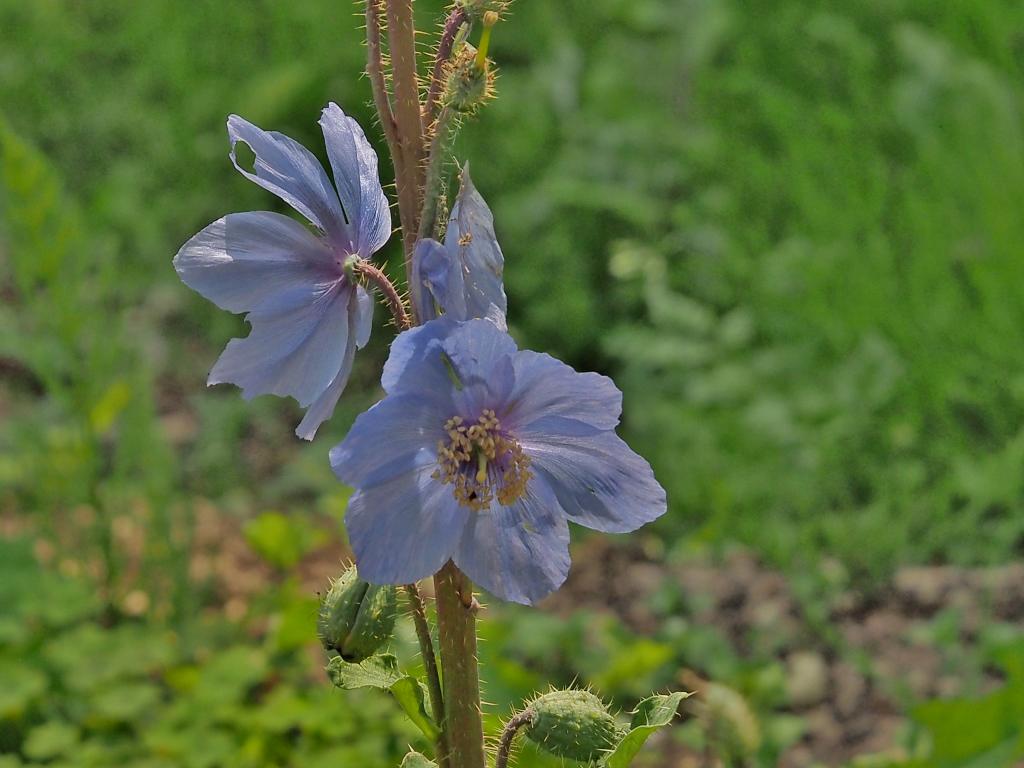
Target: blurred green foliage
x=790 y=231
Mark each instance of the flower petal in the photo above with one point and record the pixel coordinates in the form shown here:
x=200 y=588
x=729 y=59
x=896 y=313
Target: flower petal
x=546 y=387
x=477 y=262
x=364 y=317
x=417 y=360
x=427 y=255
x=405 y=529
x=599 y=481
x=321 y=409
x=387 y=438
x=297 y=345
x=518 y=553
x=355 y=175
x=475 y=347
x=242 y=259
x=292 y=172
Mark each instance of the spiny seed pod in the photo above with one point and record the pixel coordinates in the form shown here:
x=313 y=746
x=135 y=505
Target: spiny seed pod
x=573 y=724
x=356 y=618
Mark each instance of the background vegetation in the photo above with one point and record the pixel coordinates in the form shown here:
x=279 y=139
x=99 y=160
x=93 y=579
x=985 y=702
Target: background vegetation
x=790 y=230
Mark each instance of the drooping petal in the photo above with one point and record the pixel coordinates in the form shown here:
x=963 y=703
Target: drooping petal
x=297 y=345
x=390 y=437
x=518 y=553
x=320 y=410
x=428 y=252
x=364 y=317
x=355 y=174
x=242 y=259
x=598 y=480
x=464 y=276
x=292 y=172
x=546 y=387
x=404 y=529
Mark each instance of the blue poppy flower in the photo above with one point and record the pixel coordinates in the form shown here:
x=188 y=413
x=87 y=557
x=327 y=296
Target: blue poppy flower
x=481 y=453
x=462 y=278
x=307 y=317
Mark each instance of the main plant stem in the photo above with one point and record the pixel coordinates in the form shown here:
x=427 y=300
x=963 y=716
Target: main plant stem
x=456 y=620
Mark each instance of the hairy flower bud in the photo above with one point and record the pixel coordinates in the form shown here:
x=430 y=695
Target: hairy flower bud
x=574 y=724
x=477 y=8
x=356 y=618
x=469 y=85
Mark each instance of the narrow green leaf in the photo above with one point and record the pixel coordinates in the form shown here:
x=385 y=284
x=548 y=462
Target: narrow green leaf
x=381 y=671
x=650 y=715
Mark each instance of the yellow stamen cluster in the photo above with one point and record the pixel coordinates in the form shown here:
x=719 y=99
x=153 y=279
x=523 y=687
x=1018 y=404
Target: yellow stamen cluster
x=482 y=462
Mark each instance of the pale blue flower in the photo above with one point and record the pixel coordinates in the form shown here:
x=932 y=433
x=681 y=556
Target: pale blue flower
x=461 y=278
x=307 y=318
x=481 y=453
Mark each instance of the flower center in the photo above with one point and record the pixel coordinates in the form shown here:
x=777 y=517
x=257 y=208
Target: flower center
x=482 y=462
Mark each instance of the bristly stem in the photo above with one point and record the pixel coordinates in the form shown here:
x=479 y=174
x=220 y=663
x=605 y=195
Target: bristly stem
x=456 y=620
x=387 y=289
x=511 y=728
x=378 y=84
x=433 y=186
x=408 y=119
x=419 y=618
x=452 y=24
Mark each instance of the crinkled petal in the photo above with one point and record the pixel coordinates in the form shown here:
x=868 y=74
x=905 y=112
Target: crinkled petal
x=546 y=387
x=599 y=481
x=355 y=174
x=417 y=359
x=292 y=172
x=321 y=409
x=476 y=264
x=405 y=529
x=297 y=345
x=389 y=437
x=241 y=260
x=518 y=553
x=475 y=347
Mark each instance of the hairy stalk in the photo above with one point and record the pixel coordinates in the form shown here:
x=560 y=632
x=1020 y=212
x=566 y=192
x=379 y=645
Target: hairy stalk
x=408 y=120
x=511 y=729
x=378 y=84
x=456 y=619
x=387 y=289
x=419 y=617
x=452 y=24
x=444 y=135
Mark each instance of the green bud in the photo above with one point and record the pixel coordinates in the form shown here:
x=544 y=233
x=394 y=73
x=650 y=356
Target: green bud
x=356 y=618
x=574 y=724
x=477 y=8
x=469 y=85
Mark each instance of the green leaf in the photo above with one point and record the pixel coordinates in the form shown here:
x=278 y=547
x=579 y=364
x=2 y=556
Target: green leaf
x=650 y=715
x=381 y=671
x=50 y=740
x=416 y=760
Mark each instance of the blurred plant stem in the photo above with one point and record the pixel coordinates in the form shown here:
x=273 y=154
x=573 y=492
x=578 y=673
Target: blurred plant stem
x=456 y=620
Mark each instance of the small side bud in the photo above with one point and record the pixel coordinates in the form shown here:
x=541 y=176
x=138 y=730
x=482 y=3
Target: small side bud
x=356 y=618
x=476 y=9
x=573 y=724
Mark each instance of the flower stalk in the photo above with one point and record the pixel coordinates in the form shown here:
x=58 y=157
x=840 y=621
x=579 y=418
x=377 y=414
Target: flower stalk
x=419 y=617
